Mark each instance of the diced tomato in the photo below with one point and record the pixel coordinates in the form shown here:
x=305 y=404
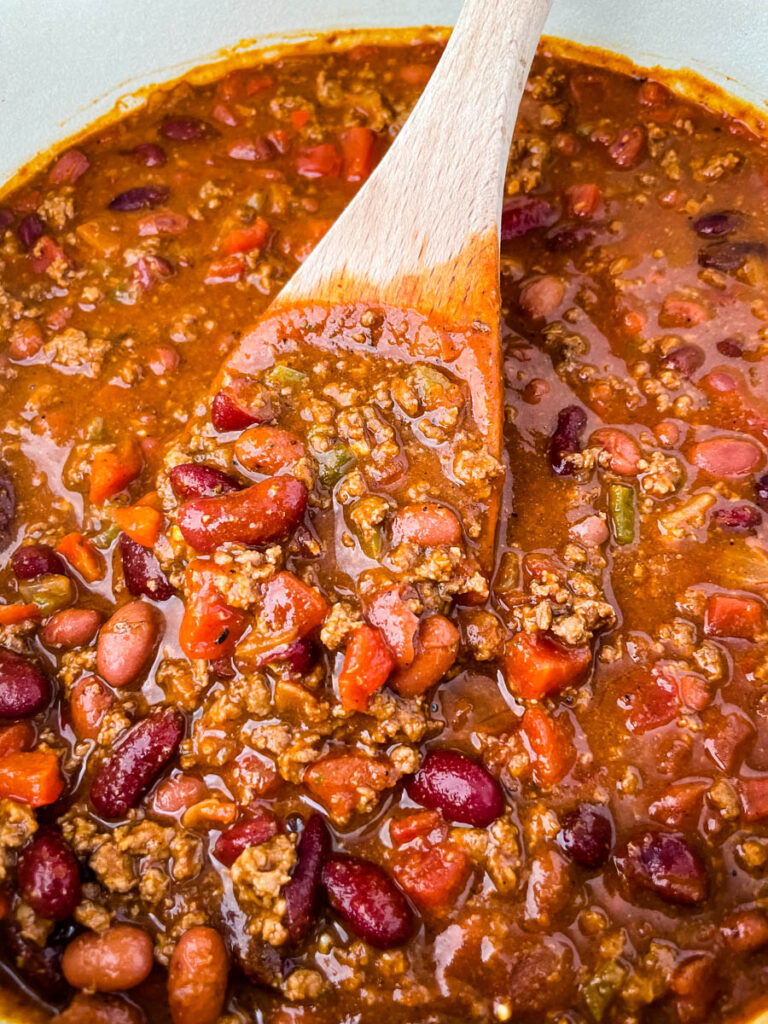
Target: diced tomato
x=729 y=615
x=367 y=665
x=299 y=118
x=281 y=139
x=13 y=613
x=654 y=702
x=31 y=776
x=69 y=167
x=258 y=83
x=82 y=556
x=223 y=114
x=289 y=611
x=16 y=737
x=397 y=624
x=163 y=222
x=549 y=746
x=321 y=161
x=357 y=147
x=244 y=239
x=209 y=628
x=434 y=879
x=754 y=798
x=680 y=804
x=111 y=471
x=337 y=780
x=225 y=270
x=44 y=254
x=417 y=825
x=726 y=740
x=535 y=665
x=438 y=646
x=141 y=522
x=101 y=237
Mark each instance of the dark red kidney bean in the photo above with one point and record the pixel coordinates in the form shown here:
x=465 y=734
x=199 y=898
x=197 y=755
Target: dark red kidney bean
x=7 y=508
x=6 y=218
x=568 y=237
x=713 y=225
x=33 y=560
x=257 y=830
x=302 y=893
x=663 y=863
x=267 y=511
x=24 y=688
x=761 y=492
x=194 y=480
x=49 y=876
x=141 y=571
x=627 y=148
x=686 y=359
x=730 y=347
x=150 y=154
x=523 y=214
x=737 y=517
x=566 y=439
x=586 y=835
x=141 y=198
x=459 y=787
x=300 y=656
x=729 y=256
x=185 y=129
x=40 y=966
x=233 y=408
x=368 y=900
x=29 y=230
x=70 y=628
x=129 y=770
x=223 y=668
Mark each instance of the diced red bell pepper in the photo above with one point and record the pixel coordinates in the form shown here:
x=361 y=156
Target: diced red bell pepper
x=357 y=148
x=31 y=776
x=299 y=118
x=225 y=271
x=550 y=748
x=16 y=737
x=417 y=825
x=142 y=523
x=367 y=665
x=535 y=665
x=83 y=556
x=434 y=879
x=729 y=615
x=244 y=239
x=13 y=613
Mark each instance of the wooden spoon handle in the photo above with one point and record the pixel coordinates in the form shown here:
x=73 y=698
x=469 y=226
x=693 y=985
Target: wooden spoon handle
x=415 y=234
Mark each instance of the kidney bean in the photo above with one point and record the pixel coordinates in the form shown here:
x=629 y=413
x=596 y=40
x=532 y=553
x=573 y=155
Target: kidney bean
x=266 y=449
x=523 y=214
x=586 y=835
x=737 y=517
x=147 y=272
x=6 y=218
x=727 y=256
x=427 y=524
x=300 y=656
x=178 y=794
x=541 y=297
x=686 y=359
x=568 y=237
x=186 y=129
x=88 y=703
x=126 y=642
x=745 y=930
x=100 y=1009
x=40 y=966
x=150 y=154
x=463 y=790
x=715 y=224
x=437 y=647
x=302 y=893
x=265 y=512
x=7 y=507
x=197 y=977
x=73 y=627
x=239 y=405
x=623 y=450
x=33 y=560
x=26 y=339
x=141 y=571
x=144 y=197
x=194 y=480
x=24 y=688
x=261 y=827
x=626 y=149
x=761 y=492
x=728 y=457
x=566 y=440
x=730 y=347
x=368 y=900
x=30 y=229
x=69 y=167
x=591 y=531
x=257 y=149
x=129 y=770
x=49 y=875
x=664 y=863
x=111 y=961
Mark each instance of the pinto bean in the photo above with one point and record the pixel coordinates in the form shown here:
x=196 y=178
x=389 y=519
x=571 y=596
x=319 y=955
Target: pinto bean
x=541 y=297
x=110 y=961
x=623 y=450
x=267 y=511
x=427 y=524
x=100 y=1009
x=126 y=642
x=265 y=449
x=177 y=794
x=726 y=456
x=437 y=646
x=72 y=627
x=26 y=339
x=89 y=702
x=197 y=977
